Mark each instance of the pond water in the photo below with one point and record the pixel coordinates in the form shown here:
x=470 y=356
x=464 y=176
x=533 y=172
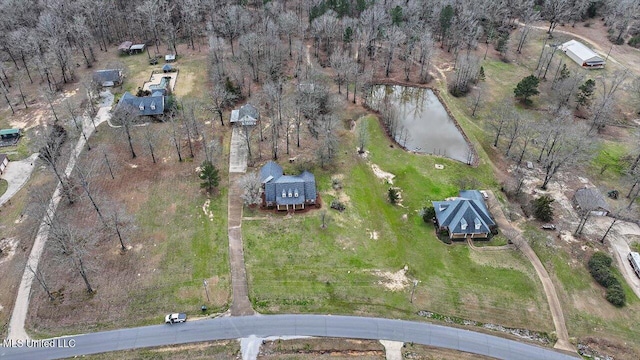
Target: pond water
x=422 y=124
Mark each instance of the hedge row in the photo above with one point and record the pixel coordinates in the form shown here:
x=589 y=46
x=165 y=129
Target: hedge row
x=600 y=269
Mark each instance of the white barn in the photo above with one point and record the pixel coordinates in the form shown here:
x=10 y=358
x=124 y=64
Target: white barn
x=582 y=55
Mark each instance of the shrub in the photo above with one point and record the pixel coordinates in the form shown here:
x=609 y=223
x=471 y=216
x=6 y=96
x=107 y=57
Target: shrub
x=427 y=214
x=542 y=208
x=634 y=41
x=615 y=295
x=394 y=195
x=600 y=258
x=337 y=205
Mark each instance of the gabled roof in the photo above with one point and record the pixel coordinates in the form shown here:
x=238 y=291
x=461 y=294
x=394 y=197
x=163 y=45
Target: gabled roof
x=581 y=51
x=2 y=157
x=146 y=105
x=167 y=67
x=137 y=47
x=591 y=199
x=125 y=45
x=246 y=115
x=464 y=215
x=107 y=76
x=271 y=170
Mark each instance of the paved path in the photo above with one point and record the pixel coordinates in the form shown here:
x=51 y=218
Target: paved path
x=515 y=235
x=240 y=304
x=17 y=174
x=226 y=328
x=21 y=306
x=392 y=349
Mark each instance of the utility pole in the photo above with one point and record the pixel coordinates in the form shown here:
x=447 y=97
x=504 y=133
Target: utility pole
x=415 y=283
x=206 y=289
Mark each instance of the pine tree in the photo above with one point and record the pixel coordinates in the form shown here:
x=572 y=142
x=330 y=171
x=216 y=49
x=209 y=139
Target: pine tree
x=210 y=175
x=585 y=91
x=526 y=88
x=542 y=209
x=481 y=75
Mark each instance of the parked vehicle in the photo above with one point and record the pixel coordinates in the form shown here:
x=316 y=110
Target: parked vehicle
x=485 y=195
x=175 y=318
x=548 y=227
x=634 y=260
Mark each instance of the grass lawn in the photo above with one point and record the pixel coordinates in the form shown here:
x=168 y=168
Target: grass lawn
x=3 y=186
x=295 y=266
x=587 y=312
x=220 y=350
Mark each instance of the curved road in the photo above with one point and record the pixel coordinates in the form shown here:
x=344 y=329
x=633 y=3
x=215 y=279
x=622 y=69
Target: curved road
x=283 y=325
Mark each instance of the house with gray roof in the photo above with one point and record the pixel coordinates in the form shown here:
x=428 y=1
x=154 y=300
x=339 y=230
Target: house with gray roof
x=108 y=77
x=246 y=115
x=592 y=200
x=465 y=216
x=287 y=192
x=146 y=105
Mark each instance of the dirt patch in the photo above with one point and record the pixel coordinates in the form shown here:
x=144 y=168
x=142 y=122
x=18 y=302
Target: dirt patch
x=393 y=281
x=381 y=174
x=8 y=249
x=373 y=235
x=322 y=348
x=207 y=212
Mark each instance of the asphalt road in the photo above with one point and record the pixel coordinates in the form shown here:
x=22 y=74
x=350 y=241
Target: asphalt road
x=280 y=325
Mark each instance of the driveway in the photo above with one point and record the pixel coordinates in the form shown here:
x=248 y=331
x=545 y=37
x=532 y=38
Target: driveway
x=16 y=174
x=620 y=237
x=227 y=328
x=238 y=153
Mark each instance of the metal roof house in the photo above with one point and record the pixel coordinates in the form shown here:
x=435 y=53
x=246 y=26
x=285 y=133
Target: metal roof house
x=147 y=105
x=591 y=199
x=582 y=55
x=108 y=77
x=465 y=216
x=287 y=192
x=246 y=115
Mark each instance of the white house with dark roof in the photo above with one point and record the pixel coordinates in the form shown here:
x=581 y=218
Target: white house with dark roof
x=246 y=115
x=465 y=216
x=287 y=192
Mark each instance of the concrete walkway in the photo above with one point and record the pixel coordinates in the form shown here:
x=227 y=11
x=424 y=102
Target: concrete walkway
x=21 y=306
x=515 y=235
x=17 y=174
x=240 y=304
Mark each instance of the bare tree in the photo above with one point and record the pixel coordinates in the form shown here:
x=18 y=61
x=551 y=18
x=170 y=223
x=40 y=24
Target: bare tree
x=84 y=174
x=499 y=119
x=151 y=137
x=571 y=148
x=175 y=137
x=50 y=147
x=602 y=108
x=363 y=135
x=71 y=244
x=221 y=98
x=42 y=280
x=251 y=186
x=394 y=37
x=125 y=116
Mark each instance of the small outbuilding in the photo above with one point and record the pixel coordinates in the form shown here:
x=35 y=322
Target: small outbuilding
x=4 y=161
x=6 y=134
x=136 y=49
x=124 y=47
x=591 y=199
x=108 y=77
x=582 y=55
x=167 y=68
x=170 y=58
x=246 y=115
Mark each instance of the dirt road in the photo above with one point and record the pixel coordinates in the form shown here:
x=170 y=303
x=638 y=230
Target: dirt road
x=515 y=235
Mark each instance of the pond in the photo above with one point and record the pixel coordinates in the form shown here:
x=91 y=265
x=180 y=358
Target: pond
x=419 y=122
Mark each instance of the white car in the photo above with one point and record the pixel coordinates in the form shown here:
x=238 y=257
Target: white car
x=484 y=194
x=175 y=318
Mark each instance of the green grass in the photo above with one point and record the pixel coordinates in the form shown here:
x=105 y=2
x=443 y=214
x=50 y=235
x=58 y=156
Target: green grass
x=635 y=246
x=295 y=266
x=207 y=350
x=3 y=186
x=609 y=162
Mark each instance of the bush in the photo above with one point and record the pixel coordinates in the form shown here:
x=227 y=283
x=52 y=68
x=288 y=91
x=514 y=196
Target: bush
x=542 y=208
x=600 y=269
x=337 y=205
x=427 y=214
x=634 y=41
x=394 y=195
x=615 y=295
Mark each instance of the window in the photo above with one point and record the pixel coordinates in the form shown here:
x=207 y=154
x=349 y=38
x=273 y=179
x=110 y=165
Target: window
x=295 y=193
x=141 y=106
x=463 y=224
x=477 y=223
x=284 y=193
x=153 y=105
x=290 y=194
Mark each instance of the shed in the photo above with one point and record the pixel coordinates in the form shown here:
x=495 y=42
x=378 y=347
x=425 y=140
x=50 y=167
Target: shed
x=108 y=77
x=9 y=133
x=125 y=46
x=591 y=199
x=136 y=49
x=169 y=58
x=167 y=68
x=4 y=161
x=582 y=55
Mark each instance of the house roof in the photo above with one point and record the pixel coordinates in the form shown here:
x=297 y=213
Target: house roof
x=246 y=115
x=108 y=75
x=167 y=67
x=169 y=57
x=591 y=199
x=468 y=211
x=2 y=157
x=10 y=132
x=581 y=51
x=146 y=105
x=301 y=187
x=137 y=47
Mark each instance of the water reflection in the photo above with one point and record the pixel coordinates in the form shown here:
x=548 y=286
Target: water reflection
x=419 y=122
